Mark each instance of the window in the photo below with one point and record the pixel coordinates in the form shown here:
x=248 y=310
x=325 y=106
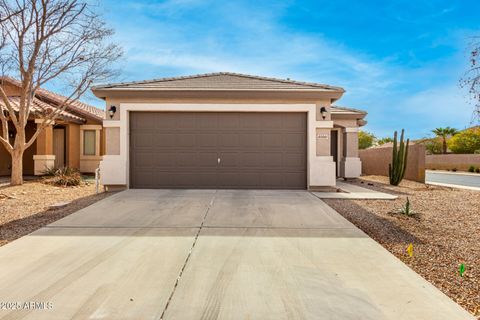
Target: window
x=89 y=142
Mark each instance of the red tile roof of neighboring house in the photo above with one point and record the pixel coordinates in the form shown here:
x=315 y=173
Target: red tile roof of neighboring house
x=75 y=109
x=39 y=107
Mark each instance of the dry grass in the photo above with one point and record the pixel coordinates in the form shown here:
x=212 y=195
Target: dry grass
x=445 y=233
x=24 y=209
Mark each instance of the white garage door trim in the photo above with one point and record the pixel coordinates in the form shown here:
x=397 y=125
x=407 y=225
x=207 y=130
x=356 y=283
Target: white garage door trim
x=320 y=169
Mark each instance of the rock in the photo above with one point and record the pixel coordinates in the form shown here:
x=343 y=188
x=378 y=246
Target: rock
x=58 y=205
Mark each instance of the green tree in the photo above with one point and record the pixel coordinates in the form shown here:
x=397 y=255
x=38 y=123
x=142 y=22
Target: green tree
x=365 y=139
x=384 y=140
x=433 y=146
x=444 y=133
x=467 y=141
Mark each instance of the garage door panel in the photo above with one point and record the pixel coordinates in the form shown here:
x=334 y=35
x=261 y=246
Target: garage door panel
x=144 y=159
x=185 y=121
x=206 y=159
x=251 y=121
x=249 y=140
x=206 y=121
x=292 y=122
x=143 y=140
x=228 y=121
x=250 y=160
x=272 y=140
x=274 y=121
x=235 y=180
x=207 y=139
x=164 y=140
x=272 y=160
x=164 y=160
x=293 y=160
x=185 y=140
x=294 y=140
x=181 y=150
x=229 y=140
x=228 y=159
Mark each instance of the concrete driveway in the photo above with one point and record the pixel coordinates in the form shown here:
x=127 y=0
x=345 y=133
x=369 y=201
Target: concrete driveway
x=206 y=254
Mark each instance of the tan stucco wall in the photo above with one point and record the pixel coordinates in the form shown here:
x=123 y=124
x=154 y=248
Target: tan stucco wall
x=350 y=141
x=375 y=162
x=45 y=141
x=117 y=101
x=112 y=137
x=323 y=136
x=73 y=145
x=452 y=161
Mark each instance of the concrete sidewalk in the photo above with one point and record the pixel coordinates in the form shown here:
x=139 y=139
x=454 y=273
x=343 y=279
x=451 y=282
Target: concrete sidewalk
x=207 y=254
x=353 y=192
x=461 y=180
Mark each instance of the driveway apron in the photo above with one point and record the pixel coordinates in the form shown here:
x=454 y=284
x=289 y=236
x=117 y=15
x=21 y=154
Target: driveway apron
x=212 y=254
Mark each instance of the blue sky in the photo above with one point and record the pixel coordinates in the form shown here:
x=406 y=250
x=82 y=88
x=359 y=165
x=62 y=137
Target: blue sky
x=399 y=60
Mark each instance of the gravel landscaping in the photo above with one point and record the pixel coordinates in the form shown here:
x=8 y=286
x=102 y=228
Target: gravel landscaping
x=445 y=232
x=26 y=208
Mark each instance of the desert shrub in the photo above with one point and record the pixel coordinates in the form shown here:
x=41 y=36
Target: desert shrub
x=65 y=177
x=454 y=169
x=471 y=169
x=365 y=140
x=432 y=146
x=382 y=141
x=467 y=141
x=477 y=170
x=406 y=210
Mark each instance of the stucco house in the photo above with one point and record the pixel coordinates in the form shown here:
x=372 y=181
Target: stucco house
x=227 y=130
x=74 y=140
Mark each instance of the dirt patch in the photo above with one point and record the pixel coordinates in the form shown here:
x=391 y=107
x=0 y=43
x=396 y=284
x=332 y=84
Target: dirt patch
x=445 y=233
x=26 y=208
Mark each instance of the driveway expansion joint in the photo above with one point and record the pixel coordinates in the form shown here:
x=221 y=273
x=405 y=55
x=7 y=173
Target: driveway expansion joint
x=210 y=205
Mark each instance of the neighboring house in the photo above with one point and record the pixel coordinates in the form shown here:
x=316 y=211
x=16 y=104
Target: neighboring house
x=74 y=140
x=227 y=130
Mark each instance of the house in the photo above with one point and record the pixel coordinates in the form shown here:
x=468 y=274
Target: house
x=75 y=138
x=227 y=130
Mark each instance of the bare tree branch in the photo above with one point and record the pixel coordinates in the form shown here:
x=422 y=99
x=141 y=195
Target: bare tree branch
x=471 y=78
x=50 y=40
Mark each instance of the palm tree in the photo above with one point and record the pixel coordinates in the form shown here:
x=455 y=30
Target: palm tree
x=444 y=133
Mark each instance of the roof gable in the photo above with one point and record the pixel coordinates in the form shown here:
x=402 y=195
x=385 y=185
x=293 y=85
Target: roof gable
x=220 y=81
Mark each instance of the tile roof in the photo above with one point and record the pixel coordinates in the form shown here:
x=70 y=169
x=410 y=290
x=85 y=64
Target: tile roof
x=75 y=107
x=220 y=81
x=344 y=110
x=39 y=107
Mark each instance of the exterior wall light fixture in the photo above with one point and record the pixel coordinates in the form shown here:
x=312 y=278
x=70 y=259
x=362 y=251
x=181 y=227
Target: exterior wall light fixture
x=323 y=112
x=112 y=111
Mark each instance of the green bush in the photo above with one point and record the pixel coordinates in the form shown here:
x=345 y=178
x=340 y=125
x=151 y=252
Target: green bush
x=467 y=141
x=365 y=140
x=432 y=145
x=64 y=177
x=477 y=170
x=471 y=169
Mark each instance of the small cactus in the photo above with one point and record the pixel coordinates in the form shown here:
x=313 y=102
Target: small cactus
x=396 y=169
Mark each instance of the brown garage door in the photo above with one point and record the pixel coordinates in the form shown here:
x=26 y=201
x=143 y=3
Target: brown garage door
x=218 y=150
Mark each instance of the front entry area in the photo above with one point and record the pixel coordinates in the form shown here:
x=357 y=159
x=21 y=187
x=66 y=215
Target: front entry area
x=226 y=150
